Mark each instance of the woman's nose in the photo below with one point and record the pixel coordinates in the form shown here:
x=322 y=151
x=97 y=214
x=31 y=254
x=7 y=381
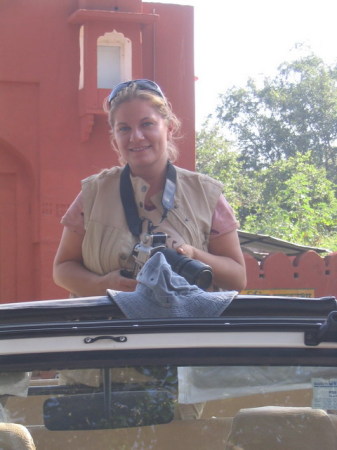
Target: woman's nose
x=136 y=134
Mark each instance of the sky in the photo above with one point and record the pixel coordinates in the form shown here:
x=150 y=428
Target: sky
x=238 y=39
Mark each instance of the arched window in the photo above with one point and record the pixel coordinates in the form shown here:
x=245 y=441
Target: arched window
x=113 y=59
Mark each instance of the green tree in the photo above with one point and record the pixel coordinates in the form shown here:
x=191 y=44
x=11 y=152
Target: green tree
x=292 y=199
x=297 y=203
x=296 y=111
x=217 y=158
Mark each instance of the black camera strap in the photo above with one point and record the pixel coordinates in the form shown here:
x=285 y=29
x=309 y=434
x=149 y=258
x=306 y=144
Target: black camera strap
x=129 y=202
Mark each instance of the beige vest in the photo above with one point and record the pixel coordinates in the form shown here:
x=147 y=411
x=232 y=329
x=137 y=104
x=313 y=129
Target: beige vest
x=108 y=243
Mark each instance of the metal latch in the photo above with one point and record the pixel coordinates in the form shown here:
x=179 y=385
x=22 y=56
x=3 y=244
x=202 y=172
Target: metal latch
x=90 y=340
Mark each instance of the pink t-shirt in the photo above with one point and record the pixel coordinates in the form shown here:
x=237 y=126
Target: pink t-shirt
x=223 y=220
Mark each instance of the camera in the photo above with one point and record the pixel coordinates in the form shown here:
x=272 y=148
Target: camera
x=194 y=271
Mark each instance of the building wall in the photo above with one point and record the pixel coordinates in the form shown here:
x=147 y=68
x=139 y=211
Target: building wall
x=305 y=275
x=52 y=134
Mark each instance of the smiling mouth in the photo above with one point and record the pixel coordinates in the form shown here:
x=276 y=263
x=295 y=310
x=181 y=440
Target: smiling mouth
x=139 y=149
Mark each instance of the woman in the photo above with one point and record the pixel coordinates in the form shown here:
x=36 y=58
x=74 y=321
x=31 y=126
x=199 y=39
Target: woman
x=147 y=194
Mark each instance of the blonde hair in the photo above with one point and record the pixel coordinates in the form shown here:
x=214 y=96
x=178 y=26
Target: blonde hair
x=160 y=104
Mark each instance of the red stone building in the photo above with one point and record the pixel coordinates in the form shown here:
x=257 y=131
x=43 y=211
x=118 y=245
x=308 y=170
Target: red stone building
x=58 y=61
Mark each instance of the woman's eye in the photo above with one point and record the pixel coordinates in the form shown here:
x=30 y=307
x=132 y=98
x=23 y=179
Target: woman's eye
x=147 y=124
x=123 y=129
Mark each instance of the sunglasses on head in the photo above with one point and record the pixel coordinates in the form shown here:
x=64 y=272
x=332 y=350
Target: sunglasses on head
x=145 y=85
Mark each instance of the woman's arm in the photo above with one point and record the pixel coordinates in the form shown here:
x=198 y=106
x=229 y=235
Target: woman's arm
x=70 y=273
x=226 y=259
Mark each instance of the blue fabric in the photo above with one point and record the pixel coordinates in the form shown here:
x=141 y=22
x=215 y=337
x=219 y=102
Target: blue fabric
x=161 y=293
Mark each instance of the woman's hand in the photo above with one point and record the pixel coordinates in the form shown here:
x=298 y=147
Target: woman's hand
x=225 y=257
x=186 y=250
x=70 y=273
x=118 y=282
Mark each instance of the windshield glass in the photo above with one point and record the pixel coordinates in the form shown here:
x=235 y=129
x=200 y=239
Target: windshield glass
x=165 y=407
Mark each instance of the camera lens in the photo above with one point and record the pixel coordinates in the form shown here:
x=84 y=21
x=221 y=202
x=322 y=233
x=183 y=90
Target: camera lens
x=194 y=271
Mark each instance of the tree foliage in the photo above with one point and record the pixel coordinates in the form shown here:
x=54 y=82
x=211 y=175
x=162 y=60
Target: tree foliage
x=291 y=199
x=294 y=112
x=217 y=158
x=297 y=202
x=281 y=178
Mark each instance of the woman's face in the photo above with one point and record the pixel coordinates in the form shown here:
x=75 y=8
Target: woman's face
x=140 y=134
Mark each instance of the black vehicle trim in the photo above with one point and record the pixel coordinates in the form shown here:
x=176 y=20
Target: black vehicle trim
x=104 y=308
x=310 y=356
x=160 y=326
